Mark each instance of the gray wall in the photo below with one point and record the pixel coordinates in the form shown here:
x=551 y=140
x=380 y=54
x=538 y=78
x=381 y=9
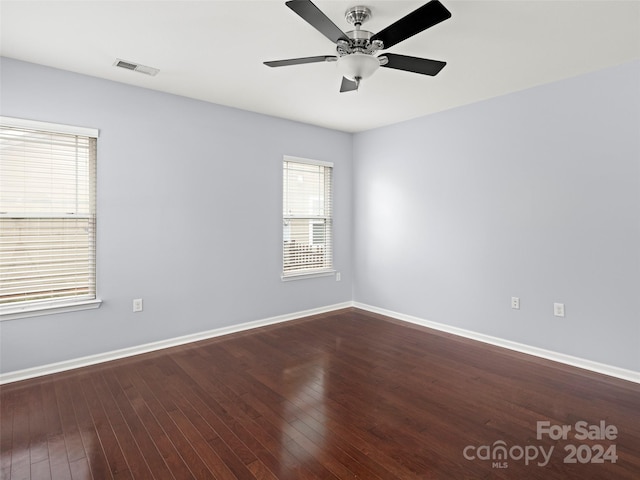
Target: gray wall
x=535 y=194
x=189 y=215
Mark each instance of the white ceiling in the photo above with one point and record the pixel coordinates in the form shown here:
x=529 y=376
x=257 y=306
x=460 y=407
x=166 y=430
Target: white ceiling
x=213 y=51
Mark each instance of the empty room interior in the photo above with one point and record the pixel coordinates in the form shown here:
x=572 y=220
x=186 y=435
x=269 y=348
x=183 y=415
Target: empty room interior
x=244 y=240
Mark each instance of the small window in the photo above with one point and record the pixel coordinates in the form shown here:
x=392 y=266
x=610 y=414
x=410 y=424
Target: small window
x=307 y=217
x=47 y=215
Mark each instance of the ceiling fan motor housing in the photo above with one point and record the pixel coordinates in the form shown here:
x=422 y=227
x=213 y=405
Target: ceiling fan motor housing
x=358 y=42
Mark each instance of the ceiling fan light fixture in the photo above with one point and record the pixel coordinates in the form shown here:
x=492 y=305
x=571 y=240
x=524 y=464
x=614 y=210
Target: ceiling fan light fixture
x=358 y=65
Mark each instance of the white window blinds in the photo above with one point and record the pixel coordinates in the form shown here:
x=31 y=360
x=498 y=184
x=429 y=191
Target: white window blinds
x=47 y=215
x=307 y=217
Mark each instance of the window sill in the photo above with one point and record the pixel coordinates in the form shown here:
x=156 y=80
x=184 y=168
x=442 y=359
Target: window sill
x=302 y=276
x=13 y=313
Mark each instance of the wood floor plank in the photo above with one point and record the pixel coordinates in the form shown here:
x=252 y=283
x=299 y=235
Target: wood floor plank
x=20 y=445
x=95 y=454
x=201 y=410
x=69 y=422
x=41 y=470
x=220 y=459
x=80 y=469
x=268 y=428
x=162 y=441
x=359 y=422
x=342 y=395
x=260 y=397
x=135 y=459
x=6 y=434
x=161 y=412
x=117 y=464
x=230 y=438
x=260 y=471
x=38 y=431
x=239 y=416
x=144 y=442
x=58 y=460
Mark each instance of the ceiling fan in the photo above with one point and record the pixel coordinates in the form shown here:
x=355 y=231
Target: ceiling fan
x=357 y=49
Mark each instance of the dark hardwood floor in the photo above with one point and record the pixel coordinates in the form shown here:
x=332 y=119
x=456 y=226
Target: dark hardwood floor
x=344 y=395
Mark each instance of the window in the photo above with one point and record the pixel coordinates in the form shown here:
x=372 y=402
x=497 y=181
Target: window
x=47 y=217
x=306 y=217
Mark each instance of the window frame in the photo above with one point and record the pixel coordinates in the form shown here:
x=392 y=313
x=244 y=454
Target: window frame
x=319 y=271
x=69 y=304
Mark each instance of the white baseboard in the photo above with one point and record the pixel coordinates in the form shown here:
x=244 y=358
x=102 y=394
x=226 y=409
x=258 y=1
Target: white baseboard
x=28 y=373
x=610 y=370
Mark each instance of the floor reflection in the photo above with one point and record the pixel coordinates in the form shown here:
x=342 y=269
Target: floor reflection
x=305 y=408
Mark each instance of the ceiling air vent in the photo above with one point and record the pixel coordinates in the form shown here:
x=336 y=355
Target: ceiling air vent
x=136 y=67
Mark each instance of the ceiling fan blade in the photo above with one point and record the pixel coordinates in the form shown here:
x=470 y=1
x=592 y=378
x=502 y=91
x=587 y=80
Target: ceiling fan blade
x=348 y=85
x=299 y=61
x=426 y=16
x=413 y=64
x=318 y=20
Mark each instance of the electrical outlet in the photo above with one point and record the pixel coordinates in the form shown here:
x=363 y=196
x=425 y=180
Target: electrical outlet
x=515 y=303
x=137 y=305
x=338 y=278
x=558 y=309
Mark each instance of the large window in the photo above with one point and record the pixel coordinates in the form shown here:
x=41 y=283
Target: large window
x=47 y=216
x=306 y=218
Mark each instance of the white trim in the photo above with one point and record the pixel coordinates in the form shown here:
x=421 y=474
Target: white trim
x=9 y=312
x=622 y=373
x=309 y=274
x=28 y=373
x=617 y=372
x=49 y=127
x=21 y=216
x=289 y=158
